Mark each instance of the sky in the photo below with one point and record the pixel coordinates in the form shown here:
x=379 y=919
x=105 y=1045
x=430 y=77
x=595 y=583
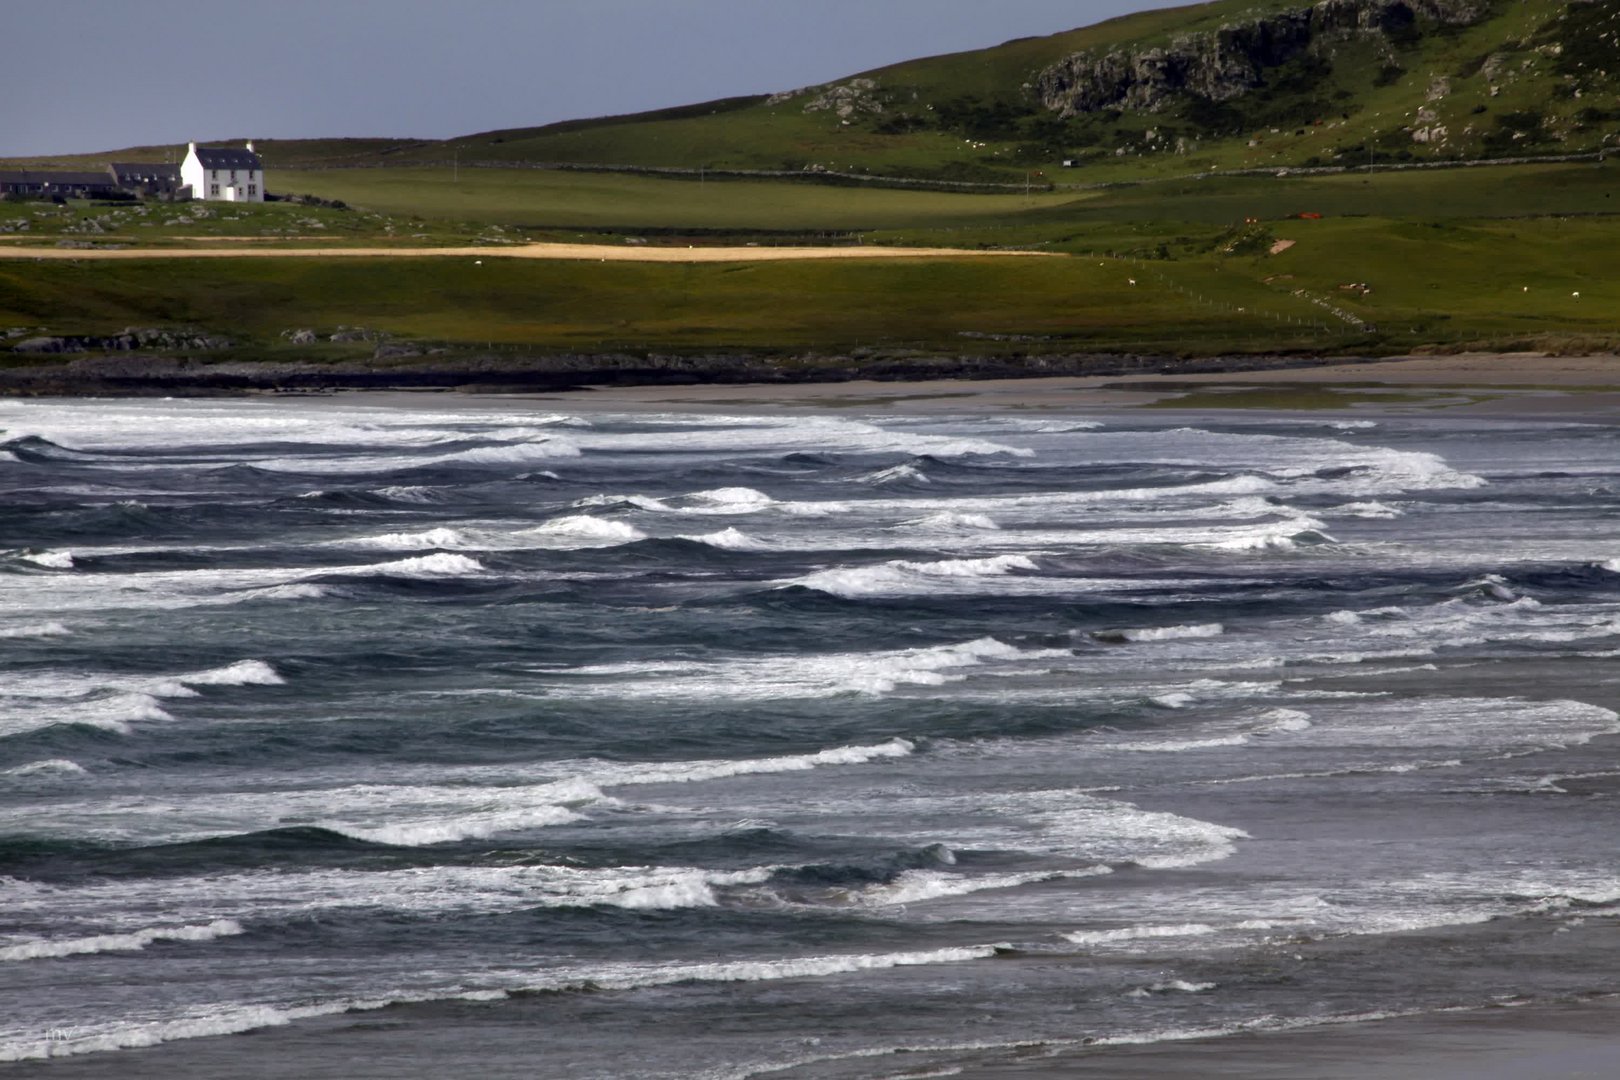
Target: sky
x=92 y=75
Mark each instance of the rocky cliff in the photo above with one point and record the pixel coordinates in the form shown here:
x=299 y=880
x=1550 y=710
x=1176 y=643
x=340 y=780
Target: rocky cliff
x=1229 y=62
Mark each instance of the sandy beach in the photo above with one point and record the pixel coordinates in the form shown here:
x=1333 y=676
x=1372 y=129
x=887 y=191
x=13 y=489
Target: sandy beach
x=1520 y=384
x=1573 y=1042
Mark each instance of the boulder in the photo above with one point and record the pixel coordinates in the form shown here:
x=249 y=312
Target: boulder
x=42 y=345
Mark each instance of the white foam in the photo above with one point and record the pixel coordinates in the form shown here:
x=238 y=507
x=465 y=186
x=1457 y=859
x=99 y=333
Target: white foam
x=629 y=977
x=1284 y=538
x=731 y=540
x=947 y=519
x=115 y=713
x=1177 y=746
x=410 y=493
x=274 y=895
x=1140 y=933
x=683 y=772
x=53 y=560
x=520 y=453
x=1285 y=720
x=303 y=590
x=640 y=502
x=895 y=473
x=809 y=675
x=918 y=886
x=35 y=630
x=1170 y=633
x=48 y=767
x=1376 y=510
x=420 y=814
x=411 y=541
x=1173 y=986
x=902 y=577
x=235 y=1017
x=1220 y=735
x=439 y=564
x=1062 y=823
x=510 y=455
x=782 y=435
x=729 y=500
x=129 y=942
x=241 y=673
x=585 y=531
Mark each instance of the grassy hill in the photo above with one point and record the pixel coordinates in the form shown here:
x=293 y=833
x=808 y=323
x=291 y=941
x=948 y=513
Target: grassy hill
x=1518 y=78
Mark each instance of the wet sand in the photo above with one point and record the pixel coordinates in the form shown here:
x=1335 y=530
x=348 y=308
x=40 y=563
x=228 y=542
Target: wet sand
x=1513 y=384
x=1569 y=1042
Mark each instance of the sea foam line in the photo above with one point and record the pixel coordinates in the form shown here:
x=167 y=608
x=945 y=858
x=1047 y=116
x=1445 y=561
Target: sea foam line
x=235 y=1018
x=128 y=942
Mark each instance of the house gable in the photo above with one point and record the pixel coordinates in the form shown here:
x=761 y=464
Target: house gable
x=223 y=173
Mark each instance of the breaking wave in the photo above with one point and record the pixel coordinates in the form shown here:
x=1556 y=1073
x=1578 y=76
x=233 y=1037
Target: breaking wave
x=127 y=942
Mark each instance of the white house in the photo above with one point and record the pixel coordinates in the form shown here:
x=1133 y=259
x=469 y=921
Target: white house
x=223 y=173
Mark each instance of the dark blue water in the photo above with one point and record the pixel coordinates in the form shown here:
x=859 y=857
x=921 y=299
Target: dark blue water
x=824 y=745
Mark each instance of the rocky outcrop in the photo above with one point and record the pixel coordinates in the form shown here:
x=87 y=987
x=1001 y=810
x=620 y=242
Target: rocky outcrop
x=1231 y=61
x=127 y=340
x=858 y=97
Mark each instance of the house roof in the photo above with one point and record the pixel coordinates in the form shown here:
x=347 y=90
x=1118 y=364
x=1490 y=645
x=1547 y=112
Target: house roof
x=227 y=157
x=141 y=170
x=56 y=179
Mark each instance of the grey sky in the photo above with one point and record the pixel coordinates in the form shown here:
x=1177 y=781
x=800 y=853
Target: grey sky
x=88 y=75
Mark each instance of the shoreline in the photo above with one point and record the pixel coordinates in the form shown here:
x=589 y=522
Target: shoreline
x=1516 y=384
x=1569 y=1040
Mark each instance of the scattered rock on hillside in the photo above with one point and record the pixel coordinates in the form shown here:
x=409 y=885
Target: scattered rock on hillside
x=858 y=97
x=1233 y=60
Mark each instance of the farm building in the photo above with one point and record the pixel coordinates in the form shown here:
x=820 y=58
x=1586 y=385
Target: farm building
x=223 y=173
x=78 y=185
x=145 y=178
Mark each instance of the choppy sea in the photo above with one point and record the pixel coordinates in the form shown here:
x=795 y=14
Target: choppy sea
x=362 y=741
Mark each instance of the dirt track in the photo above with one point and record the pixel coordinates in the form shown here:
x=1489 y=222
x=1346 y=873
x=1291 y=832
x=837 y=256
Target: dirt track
x=577 y=252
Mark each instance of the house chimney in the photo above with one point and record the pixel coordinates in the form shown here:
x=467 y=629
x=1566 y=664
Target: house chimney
x=250 y=146
x=191 y=148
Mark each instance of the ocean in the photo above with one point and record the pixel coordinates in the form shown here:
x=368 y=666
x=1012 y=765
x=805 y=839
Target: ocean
x=349 y=740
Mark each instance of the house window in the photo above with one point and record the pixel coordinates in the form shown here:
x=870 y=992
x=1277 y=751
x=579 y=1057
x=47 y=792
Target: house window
x=213 y=189
x=215 y=176
x=233 y=174
x=253 y=189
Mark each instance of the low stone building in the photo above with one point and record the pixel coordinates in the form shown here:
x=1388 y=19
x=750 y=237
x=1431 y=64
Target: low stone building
x=146 y=178
x=44 y=183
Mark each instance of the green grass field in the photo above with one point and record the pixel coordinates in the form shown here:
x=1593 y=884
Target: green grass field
x=556 y=200
x=1489 y=256
x=810 y=306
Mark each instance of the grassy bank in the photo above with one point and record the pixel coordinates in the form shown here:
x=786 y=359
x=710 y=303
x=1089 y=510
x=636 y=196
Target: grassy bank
x=956 y=306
